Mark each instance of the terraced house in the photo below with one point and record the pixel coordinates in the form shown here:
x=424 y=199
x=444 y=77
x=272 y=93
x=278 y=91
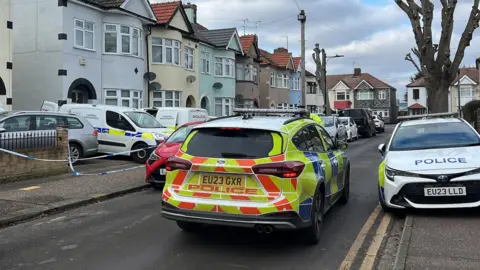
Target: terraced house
x=362 y=90
x=275 y=70
x=248 y=67
x=6 y=64
x=173 y=62
x=80 y=51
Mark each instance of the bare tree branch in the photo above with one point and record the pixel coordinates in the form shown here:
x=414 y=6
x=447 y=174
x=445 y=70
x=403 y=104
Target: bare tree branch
x=416 y=52
x=427 y=51
x=409 y=58
x=448 y=9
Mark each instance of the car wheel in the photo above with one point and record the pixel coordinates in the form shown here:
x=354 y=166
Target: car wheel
x=368 y=134
x=75 y=152
x=374 y=133
x=383 y=129
x=189 y=226
x=312 y=234
x=346 y=189
x=142 y=155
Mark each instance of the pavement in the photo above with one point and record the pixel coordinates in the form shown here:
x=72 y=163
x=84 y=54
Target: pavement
x=24 y=200
x=129 y=233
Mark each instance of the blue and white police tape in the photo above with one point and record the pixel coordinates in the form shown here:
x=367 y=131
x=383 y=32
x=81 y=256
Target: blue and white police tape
x=115 y=154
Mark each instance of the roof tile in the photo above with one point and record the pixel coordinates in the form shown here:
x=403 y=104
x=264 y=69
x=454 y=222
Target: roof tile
x=472 y=73
x=106 y=3
x=163 y=11
x=353 y=81
x=416 y=106
x=247 y=42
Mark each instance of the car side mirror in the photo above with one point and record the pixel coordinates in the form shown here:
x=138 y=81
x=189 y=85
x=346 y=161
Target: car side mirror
x=2 y=130
x=381 y=148
x=342 y=144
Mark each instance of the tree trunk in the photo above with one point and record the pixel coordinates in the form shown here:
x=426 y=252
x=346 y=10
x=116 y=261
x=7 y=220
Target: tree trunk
x=437 y=101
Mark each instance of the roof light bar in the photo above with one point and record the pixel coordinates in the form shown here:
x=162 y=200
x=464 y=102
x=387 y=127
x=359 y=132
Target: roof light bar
x=242 y=110
x=426 y=116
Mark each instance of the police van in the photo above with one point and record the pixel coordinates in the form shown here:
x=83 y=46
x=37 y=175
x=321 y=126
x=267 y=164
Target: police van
x=120 y=129
x=175 y=117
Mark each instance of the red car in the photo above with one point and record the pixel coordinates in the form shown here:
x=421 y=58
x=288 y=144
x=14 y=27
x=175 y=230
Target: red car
x=155 y=165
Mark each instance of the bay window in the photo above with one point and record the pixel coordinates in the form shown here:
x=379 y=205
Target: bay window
x=188 y=61
x=282 y=81
x=465 y=91
x=247 y=73
x=166 y=99
x=224 y=67
x=84 y=34
x=206 y=62
x=255 y=75
x=122 y=39
x=365 y=95
x=240 y=72
x=223 y=106
x=165 y=51
x=124 y=98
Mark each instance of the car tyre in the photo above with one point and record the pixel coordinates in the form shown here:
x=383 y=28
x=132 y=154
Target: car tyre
x=189 y=226
x=368 y=134
x=140 y=156
x=374 y=133
x=383 y=129
x=76 y=152
x=346 y=189
x=312 y=234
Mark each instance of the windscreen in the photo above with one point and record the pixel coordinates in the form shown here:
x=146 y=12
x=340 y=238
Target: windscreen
x=231 y=143
x=353 y=113
x=328 y=121
x=344 y=121
x=144 y=120
x=434 y=135
x=180 y=134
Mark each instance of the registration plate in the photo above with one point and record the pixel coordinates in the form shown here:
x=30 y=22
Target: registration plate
x=163 y=172
x=445 y=191
x=223 y=180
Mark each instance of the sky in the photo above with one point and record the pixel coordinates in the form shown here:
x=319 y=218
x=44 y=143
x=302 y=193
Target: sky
x=373 y=35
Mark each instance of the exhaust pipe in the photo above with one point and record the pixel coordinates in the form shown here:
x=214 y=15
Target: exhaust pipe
x=259 y=229
x=268 y=229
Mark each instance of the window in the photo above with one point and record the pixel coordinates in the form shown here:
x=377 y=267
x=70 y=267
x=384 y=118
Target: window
x=343 y=95
x=385 y=113
x=19 y=123
x=255 y=74
x=84 y=34
x=124 y=98
x=224 y=67
x=465 y=91
x=217 y=143
x=382 y=94
x=206 y=62
x=166 y=99
x=416 y=93
x=247 y=73
x=285 y=80
x=326 y=137
x=312 y=88
x=180 y=134
x=308 y=139
x=144 y=120
x=165 y=51
x=282 y=106
x=312 y=108
x=188 y=61
x=296 y=83
x=74 y=123
x=272 y=79
x=121 y=39
x=117 y=121
x=223 y=106
x=282 y=81
x=365 y=95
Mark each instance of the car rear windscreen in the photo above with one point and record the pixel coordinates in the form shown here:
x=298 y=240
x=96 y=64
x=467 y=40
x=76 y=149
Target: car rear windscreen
x=231 y=143
x=353 y=113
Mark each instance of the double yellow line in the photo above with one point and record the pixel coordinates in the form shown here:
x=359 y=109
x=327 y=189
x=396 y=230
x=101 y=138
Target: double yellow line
x=369 y=260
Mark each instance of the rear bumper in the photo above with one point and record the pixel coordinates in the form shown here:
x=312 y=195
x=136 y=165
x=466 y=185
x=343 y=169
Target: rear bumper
x=152 y=172
x=287 y=221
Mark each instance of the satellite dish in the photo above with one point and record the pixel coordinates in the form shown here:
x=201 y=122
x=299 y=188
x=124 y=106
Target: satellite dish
x=191 y=79
x=150 y=76
x=217 y=85
x=155 y=86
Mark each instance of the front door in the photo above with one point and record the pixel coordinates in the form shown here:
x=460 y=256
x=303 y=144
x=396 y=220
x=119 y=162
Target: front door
x=79 y=96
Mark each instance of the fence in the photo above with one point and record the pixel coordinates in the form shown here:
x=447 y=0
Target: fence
x=28 y=140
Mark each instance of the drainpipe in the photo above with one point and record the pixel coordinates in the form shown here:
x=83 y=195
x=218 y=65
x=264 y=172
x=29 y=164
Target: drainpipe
x=148 y=64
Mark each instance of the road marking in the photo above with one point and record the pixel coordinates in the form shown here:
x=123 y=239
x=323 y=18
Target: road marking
x=29 y=188
x=357 y=244
x=369 y=260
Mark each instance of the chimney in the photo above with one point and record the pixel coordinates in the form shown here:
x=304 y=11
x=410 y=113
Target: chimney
x=191 y=10
x=357 y=72
x=280 y=50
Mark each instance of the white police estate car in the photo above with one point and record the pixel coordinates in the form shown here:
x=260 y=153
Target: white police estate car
x=430 y=162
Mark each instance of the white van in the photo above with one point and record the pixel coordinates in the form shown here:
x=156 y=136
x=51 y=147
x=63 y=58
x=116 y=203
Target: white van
x=174 y=117
x=119 y=129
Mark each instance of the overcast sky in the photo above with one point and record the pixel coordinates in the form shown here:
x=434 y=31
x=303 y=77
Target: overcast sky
x=374 y=35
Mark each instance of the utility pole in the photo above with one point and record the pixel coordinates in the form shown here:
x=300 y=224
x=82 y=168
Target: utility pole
x=328 y=110
x=303 y=18
x=459 y=110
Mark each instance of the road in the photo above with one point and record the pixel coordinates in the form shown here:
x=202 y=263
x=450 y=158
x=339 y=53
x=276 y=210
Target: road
x=129 y=233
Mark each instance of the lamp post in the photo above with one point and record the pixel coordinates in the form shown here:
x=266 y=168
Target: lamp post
x=326 y=59
x=303 y=18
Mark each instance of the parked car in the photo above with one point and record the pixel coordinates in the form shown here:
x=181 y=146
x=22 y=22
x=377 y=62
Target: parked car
x=31 y=126
x=364 y=120
x=176 y=117
x=379 y=123
x=155 y=165
x=120 y=129
x=335 y=128
x=352 y=130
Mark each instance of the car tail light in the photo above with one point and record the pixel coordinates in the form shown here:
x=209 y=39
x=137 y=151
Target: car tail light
x=289 y=169
x=95 y=132
x=174 y=163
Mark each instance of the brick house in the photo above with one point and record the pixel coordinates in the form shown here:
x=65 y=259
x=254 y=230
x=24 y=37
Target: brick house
x=362 y=90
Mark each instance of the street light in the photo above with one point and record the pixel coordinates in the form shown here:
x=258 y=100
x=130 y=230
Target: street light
x=325 y=72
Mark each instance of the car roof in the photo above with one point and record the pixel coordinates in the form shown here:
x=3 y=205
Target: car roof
x=101 y=106
x=16 y=113
x=174 y=109
x=430 y=121
x=257 y=122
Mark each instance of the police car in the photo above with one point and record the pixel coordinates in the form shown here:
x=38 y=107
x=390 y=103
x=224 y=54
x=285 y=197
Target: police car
x=430 y=162
x=262 y=172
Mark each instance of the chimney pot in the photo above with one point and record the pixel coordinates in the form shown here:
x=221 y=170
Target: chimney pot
x=357 y=72
x=281 y=49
